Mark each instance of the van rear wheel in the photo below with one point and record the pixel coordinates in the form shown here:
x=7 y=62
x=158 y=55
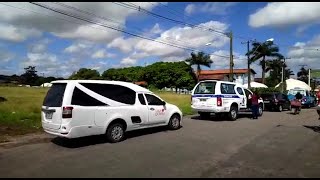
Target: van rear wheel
x=115 y=133
x=233 y=113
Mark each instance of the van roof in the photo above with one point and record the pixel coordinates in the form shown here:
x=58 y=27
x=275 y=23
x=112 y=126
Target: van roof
x=122 y=83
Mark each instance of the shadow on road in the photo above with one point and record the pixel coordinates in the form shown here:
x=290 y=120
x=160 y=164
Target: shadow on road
x=221 y=118
x=101 y=139
x=314 y=128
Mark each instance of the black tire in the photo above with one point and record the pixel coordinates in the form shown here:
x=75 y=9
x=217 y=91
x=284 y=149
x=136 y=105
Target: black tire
x=233 y=113
x=204 y=115
x=280 y=108
x=260 y=110
x=174 y=122
x=115 y=133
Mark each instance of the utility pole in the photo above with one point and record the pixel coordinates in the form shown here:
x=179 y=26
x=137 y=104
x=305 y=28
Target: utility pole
x=231 y=58
x=249 y=70
x=282 y=74
x=309 y=78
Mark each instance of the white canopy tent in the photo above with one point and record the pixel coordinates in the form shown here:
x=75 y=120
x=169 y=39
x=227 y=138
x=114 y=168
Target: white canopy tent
x=294 y=83
x=255 y=85
x=46 y=85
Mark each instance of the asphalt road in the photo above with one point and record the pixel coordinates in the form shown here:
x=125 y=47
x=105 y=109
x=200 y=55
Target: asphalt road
x=276 y=145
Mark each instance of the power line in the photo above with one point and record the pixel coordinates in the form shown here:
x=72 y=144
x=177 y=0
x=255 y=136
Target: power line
x=112 y=20
x=140 y=9
x=120 y=30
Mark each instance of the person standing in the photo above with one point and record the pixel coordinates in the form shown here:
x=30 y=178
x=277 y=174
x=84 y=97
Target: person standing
x=254 y=105
x=318 y=102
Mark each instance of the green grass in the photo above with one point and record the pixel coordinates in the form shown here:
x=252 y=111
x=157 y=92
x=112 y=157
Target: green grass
x=20 y=114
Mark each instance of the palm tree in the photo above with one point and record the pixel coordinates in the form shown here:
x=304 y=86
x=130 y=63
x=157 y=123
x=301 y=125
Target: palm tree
x=200 y=59
x=275 y=68
x=263 y=50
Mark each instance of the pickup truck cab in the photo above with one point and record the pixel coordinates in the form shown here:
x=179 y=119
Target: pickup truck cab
x=221 y=97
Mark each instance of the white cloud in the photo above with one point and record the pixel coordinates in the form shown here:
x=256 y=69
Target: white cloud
x=102 y=54
x=39 y=46
x=190 y=8
x=78 y=47
x=67 y=27
x=184 y=37
x=125 y=45
x=15 y=34
x=156 y=29
x=6 y=56
x=128 y=61
x=286 y=13
x=305 y=53
x=219 y=8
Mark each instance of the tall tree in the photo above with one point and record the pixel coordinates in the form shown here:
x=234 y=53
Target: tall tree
x=303 y=75
x=85 y=73
x=200 y=59
x=260 y=51
x=30 y=76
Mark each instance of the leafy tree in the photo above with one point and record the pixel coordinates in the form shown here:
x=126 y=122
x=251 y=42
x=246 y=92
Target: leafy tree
x=200 y=59
x=303 y=75
x=30 y=76
x=261 y=51
x=85 y=73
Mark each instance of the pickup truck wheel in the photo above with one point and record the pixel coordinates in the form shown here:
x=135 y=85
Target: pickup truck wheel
x=233 y=114
x=115 y=133
x=260 y=110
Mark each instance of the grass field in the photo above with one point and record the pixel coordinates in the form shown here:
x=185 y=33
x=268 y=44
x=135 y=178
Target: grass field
x=20 y=114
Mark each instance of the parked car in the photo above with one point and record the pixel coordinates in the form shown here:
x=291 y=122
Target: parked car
x=276 y=101
x=221 y=97
x=308 y=100
x=77 y=108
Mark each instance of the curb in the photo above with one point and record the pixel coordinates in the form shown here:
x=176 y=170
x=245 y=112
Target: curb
x=16 y=141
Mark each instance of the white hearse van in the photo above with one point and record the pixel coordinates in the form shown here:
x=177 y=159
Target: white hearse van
x=77 y=108
x=221 y=97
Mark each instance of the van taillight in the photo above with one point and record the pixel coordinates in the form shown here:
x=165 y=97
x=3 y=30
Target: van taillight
x=67 y=112
x=219 y=101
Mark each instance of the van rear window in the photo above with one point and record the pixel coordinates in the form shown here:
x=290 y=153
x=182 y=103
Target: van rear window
x=206 y=88
x=55 y=94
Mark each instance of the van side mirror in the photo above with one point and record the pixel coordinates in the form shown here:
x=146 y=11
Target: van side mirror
x=163 y=103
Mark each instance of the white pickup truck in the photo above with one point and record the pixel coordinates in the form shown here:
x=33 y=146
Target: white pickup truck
x=221 y=97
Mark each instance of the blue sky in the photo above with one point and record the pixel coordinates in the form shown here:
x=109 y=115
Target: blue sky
x=59 y=45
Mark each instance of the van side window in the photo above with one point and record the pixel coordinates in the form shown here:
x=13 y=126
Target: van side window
x=227 y=88
x=206 y=88
x=153 y=100
x=240 y=91
x=82 y=99
x=141 y=99
x=115 y=92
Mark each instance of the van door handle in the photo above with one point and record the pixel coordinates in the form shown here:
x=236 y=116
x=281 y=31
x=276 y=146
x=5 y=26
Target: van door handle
x=152 y=109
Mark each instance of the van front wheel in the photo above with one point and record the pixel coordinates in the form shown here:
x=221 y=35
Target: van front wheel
x=115 y=133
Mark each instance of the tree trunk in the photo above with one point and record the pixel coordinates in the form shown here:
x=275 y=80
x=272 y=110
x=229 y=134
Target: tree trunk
x=263 y=66
x=198 y=70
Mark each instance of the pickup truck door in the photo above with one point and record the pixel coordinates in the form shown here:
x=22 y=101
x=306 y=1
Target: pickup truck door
x=243 y=98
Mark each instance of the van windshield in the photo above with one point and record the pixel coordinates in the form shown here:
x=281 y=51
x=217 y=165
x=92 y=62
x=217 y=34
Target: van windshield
x=295 y=91
x=206 y=88
x=55 y=94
